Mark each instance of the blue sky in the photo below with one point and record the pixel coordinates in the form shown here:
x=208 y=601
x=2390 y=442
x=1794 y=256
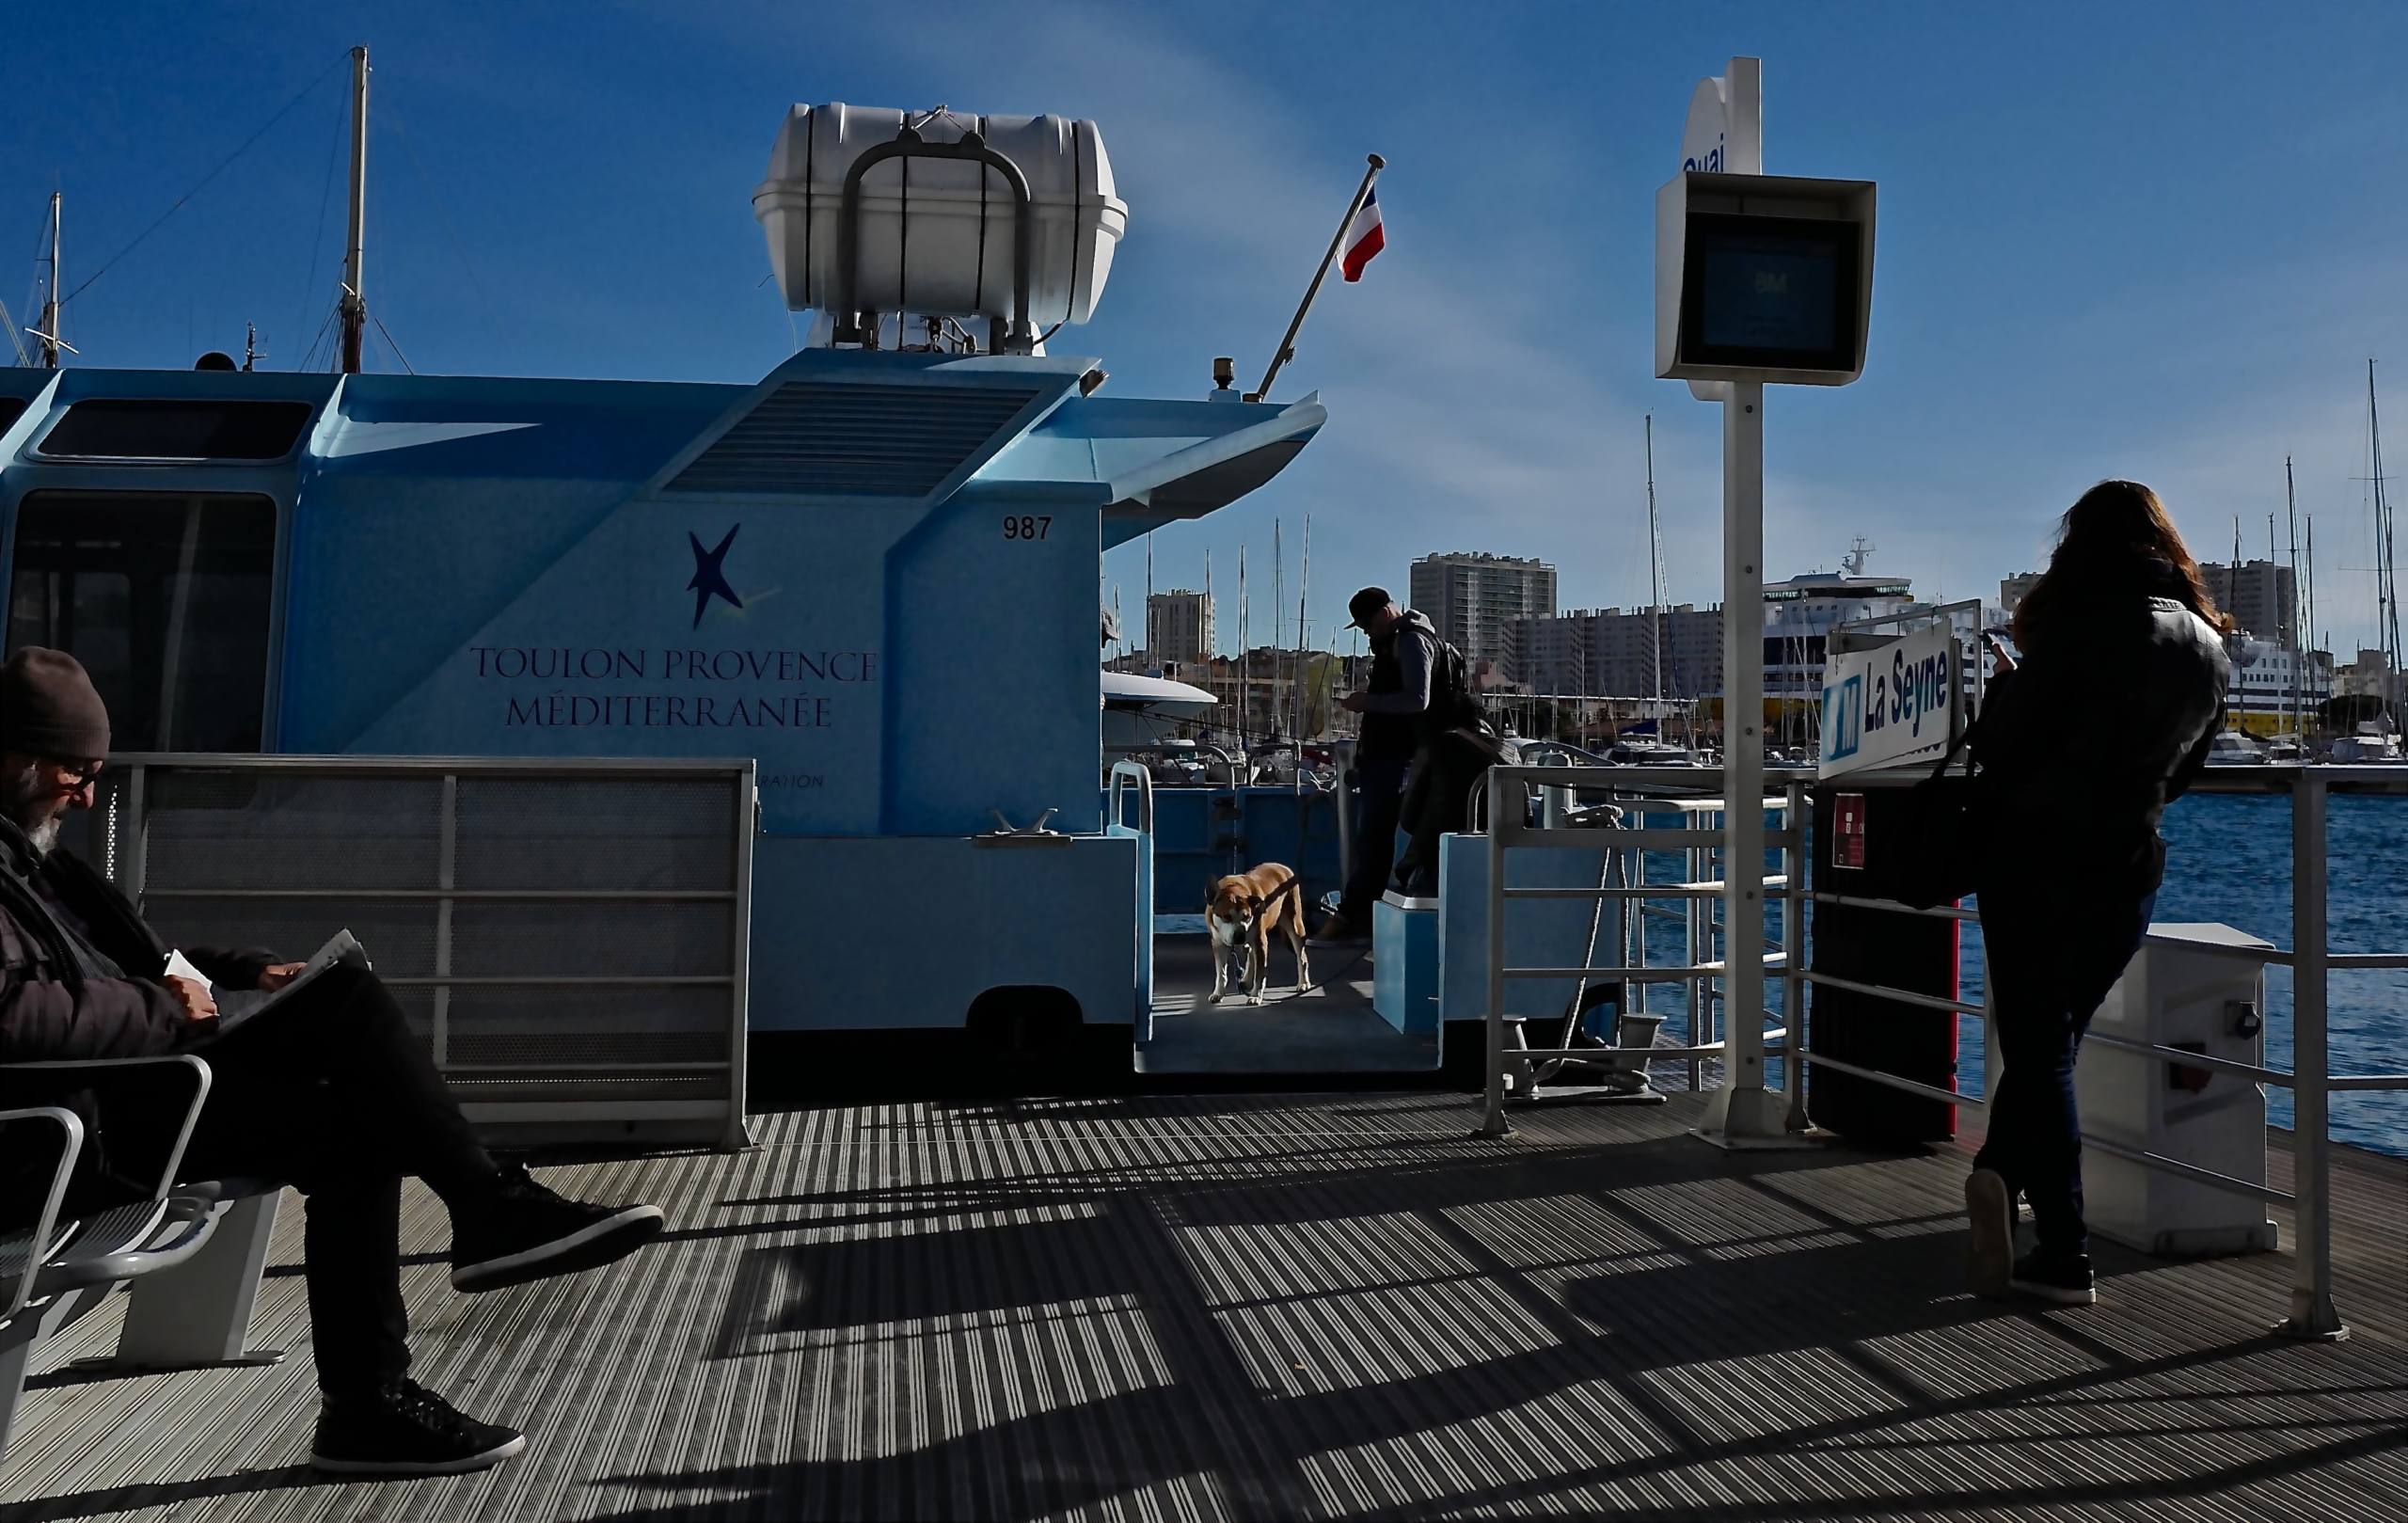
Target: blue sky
x=2158 y=241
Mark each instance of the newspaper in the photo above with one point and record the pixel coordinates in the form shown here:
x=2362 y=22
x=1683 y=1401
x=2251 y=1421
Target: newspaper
x=236 y=1006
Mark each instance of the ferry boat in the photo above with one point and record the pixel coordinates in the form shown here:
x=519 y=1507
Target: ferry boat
x=882 y=549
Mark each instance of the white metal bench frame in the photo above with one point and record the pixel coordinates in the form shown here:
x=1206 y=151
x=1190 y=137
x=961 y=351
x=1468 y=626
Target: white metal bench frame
x=193 y=1254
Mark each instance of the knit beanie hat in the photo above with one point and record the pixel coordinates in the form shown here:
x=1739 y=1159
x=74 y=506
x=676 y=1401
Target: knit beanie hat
x=49 y=707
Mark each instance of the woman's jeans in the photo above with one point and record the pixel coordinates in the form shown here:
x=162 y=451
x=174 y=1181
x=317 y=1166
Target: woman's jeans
x=2054 y=950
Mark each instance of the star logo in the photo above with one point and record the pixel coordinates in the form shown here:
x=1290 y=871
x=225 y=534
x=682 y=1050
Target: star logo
x=709 y=579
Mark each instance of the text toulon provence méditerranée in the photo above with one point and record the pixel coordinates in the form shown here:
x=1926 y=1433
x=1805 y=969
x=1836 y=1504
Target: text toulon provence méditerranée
x=576 y=705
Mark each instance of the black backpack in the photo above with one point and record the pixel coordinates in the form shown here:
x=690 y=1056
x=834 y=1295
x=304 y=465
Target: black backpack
x=1452 y=706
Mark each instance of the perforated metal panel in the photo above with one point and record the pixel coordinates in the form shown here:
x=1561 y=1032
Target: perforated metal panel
x=818 y=439
x=570 y=939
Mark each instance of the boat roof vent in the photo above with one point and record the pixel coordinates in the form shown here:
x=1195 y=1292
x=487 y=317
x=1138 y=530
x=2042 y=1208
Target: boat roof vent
x=811 y=439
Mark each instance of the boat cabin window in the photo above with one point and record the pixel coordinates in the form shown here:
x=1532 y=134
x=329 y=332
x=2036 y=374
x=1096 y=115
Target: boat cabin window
x=114 y=428
x=164 y=597
x=10 y=409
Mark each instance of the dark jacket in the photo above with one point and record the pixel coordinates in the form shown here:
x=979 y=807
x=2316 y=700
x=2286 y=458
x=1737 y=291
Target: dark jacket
x=1394 y=737
x=87 y=990
x=2108 y=719
x=51 y=1006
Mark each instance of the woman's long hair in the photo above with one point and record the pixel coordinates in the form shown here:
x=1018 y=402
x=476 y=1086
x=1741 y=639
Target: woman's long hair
x=2116 y=539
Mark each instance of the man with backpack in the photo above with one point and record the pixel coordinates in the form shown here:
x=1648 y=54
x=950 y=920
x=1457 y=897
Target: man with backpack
x=1419 y=706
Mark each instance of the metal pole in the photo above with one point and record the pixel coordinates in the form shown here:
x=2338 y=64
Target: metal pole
x=2313 y=1314
x=1286 y=350
x=355 y=301
x=1492 y=1116
x=1654 y=579
x=2298 y=640
x=1793 y=942
x=49 y=333
x=1304 y=591
x=1697 y=945
x=1741 y=1109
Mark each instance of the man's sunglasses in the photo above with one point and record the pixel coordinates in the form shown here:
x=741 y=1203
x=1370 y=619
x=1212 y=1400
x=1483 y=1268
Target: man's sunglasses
x=78 y=775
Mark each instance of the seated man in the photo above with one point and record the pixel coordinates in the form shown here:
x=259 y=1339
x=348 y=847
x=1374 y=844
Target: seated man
x=330 y=1092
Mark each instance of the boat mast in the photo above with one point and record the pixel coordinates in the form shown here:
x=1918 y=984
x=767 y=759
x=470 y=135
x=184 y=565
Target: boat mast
x=355 y=301
x=1655 y=577
x=1304 y=585
x=2386 y=569
x=48 y=331
x=1245 y=653
x=2298 y=630
x=2232 y=575
x=2312 y=637
x=1279 y=600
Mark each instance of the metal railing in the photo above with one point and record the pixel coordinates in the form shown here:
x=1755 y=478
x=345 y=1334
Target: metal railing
x=572 y=938
x=1743 y=1040
x=2311 y=959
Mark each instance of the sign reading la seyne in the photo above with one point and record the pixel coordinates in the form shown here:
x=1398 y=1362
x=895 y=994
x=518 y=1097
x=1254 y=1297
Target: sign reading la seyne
x=1891 y=704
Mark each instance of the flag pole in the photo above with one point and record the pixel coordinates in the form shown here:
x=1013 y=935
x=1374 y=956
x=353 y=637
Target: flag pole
x=1286 y=350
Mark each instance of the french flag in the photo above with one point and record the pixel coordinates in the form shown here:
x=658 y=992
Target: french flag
x=1364 y=238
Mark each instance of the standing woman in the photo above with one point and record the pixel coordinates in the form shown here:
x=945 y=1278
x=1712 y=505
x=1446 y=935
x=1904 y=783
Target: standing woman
x=2109 y=717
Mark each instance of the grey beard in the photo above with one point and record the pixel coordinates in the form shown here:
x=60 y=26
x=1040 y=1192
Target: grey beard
x=23 y=790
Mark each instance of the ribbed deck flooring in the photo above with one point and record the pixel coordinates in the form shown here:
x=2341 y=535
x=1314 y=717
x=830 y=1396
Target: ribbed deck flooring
x=1295 y=1307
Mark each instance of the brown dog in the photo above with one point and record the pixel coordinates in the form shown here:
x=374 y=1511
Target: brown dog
x=1243 y=912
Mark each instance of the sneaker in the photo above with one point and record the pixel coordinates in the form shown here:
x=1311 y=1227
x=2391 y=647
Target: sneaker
x=402 y=1428
x=526 y=1232
x=1339 y=931
x=2065 y=1282
x=1990 y=1208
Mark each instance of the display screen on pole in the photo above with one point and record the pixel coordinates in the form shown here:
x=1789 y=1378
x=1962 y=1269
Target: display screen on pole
x=1775 y=292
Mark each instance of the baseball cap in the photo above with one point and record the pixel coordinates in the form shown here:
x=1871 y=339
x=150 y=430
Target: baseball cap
x=1365 y=603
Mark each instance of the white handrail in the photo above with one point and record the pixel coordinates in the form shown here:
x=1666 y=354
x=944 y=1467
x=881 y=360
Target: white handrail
x=1145 y=782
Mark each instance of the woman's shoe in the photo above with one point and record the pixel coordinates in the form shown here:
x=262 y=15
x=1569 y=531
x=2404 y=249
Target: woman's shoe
x=2061 y=1282
x=1989 y=1209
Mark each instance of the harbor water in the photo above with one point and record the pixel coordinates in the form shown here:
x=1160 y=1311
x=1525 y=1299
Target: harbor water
x=2228 y=860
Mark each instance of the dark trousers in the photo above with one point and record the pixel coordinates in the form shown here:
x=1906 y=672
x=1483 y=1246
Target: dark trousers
x=333 y=1094
x=2053 y=954
x=1381 y=783
x=1438 y=798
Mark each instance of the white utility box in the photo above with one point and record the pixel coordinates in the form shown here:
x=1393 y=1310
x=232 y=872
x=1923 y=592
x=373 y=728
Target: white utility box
x=2200 y=987
x=936 y=237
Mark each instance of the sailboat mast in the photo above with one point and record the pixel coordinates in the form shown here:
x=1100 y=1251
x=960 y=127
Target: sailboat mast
x=1245 y=651
x=48 y=333
x=2298 y=630
x=2232 y=573
x=1304 y=587
x=1278 y=601
x=2386 y=569
x=354 y=300
x=2312 y=637
x=1655 y=576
